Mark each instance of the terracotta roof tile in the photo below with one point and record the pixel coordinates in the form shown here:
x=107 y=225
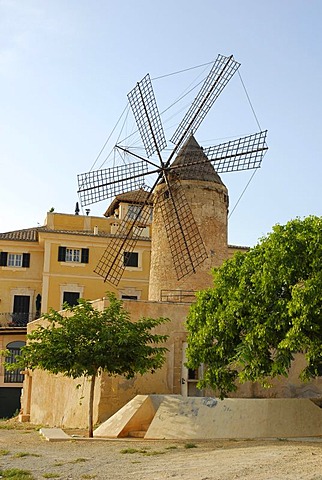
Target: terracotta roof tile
x=25 y=235
x=31 y=234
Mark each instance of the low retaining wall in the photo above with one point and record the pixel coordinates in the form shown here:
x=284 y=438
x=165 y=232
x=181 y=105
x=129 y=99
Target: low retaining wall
x=176 y=417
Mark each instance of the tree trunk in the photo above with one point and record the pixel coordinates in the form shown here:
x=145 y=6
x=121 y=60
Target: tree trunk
x=91 y=406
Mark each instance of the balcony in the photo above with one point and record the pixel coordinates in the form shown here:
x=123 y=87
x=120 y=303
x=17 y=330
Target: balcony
x=16 y=320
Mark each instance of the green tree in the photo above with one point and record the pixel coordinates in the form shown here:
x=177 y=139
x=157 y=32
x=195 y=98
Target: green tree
x=266 y=306
x=88 y=341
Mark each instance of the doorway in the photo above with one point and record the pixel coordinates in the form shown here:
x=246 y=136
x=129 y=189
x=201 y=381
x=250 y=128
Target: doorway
x=190 y=377
x=20 y=312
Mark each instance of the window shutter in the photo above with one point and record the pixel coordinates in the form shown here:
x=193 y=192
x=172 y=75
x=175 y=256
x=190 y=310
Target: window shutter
x=85 y=255
x=26 y=260
x=61 y=254
x=3 y=259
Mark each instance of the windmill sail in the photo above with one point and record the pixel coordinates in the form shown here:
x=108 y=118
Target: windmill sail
x=185 y=242
x=245 y=153
x=116 y=256
x=147 y=117
x=218 y=77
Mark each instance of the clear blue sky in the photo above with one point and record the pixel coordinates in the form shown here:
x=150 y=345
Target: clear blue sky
x=66 y=67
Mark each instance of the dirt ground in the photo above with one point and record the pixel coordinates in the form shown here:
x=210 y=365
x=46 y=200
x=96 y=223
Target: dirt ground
x=24 y=448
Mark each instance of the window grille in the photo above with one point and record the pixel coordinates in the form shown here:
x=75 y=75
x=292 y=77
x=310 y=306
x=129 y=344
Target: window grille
x=13 y=376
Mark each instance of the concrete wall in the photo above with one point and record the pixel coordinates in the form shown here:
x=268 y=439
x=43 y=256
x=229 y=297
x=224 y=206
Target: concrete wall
x=176 y=417
x=54 y=400
x=112 y=393
x=208 y=418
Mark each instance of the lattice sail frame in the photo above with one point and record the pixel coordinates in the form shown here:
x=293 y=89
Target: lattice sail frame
x=245 y=153
x=99 y=185
x=185 y=242
x=112 y=263
x=220 y=74
x=147 y=117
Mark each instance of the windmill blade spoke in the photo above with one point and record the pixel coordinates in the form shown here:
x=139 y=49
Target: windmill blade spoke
x=116 y=256
x=102 y=184
x=186 y=245
x=220 y=74
x=147 y=117
x=242 y=154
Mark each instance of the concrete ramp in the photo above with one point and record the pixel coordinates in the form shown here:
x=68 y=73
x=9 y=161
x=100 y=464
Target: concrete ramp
x=131 y=420
x=176 y=417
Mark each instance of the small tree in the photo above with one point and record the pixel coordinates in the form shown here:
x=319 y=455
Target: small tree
x=266 y=306
x=88 y=341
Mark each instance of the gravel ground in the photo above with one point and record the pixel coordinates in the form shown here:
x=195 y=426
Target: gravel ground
x=22 y=447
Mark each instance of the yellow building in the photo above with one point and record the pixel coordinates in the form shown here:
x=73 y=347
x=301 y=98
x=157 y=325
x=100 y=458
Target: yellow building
x=43 y=267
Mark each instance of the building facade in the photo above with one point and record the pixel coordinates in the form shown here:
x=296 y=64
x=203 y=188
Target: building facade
x=43 y=267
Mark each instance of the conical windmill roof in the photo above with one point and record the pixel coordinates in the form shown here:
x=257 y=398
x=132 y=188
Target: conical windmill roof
x=190 y=153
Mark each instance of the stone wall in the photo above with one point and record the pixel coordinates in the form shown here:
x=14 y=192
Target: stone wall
x=209 y=205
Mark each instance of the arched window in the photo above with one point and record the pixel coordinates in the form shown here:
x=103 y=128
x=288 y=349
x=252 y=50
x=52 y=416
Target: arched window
x=13 y=376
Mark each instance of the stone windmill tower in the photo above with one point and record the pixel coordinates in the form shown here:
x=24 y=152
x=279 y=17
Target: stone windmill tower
x=190 y=201
x=208 y=199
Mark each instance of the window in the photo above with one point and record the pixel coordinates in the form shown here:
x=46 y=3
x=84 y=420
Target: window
x=131 y=259
x=71 y=298
x=129 y=297
x=13 y=376
x=73 y=255
x=14 y=259
x=134 y=212
x=77 y=255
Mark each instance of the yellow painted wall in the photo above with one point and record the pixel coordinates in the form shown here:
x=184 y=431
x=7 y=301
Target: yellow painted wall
x=20 y=280
x=50 y=277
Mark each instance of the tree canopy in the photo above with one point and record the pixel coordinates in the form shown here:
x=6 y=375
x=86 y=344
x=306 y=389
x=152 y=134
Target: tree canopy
x=265 y=306
x=87 y=341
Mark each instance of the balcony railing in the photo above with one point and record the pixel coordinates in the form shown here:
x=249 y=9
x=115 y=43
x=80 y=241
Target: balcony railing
x=179 y=296
x=16 y=319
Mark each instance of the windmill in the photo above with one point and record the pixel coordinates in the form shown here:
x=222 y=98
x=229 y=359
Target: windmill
x=186 y=244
